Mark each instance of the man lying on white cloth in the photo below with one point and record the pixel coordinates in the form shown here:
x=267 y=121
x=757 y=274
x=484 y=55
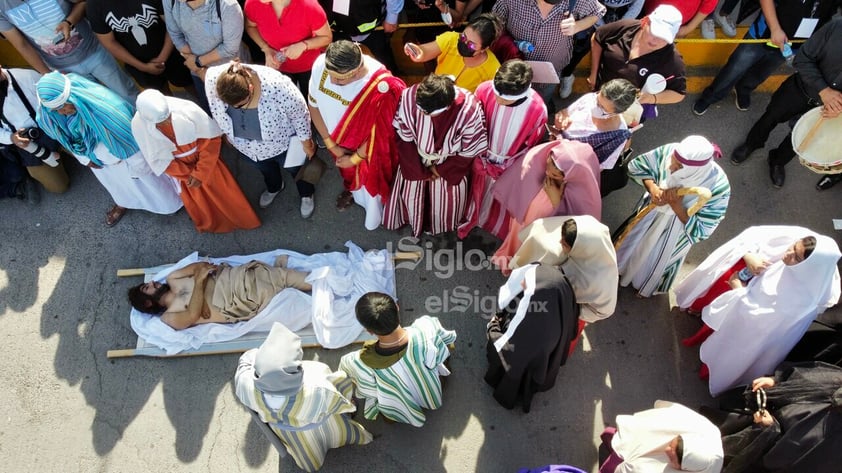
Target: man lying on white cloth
x=202 y=292
x=337 y=280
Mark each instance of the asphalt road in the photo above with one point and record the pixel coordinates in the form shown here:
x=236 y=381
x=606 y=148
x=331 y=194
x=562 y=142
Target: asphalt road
x=65 y=407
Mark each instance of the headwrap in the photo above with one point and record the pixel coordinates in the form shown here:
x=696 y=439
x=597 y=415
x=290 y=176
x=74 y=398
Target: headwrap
x=101 y=116
x=277 y=366
x=698 y=456
x=641 y=440
x=590 y=266
x=189 y=123
x=152 y=106
x=695 y=154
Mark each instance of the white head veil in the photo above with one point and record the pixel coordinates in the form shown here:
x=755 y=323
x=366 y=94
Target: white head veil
x=641 y=440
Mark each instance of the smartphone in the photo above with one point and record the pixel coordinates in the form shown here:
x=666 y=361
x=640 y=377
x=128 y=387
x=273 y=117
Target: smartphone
x=59 y=38
x=411 y=50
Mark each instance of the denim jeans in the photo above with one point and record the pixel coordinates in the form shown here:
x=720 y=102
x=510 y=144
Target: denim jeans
x=271 y=170
x=749 y=65
x=102 y=67
x=201 y=94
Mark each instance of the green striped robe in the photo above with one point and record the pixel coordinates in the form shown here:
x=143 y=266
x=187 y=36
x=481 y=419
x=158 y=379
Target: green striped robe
x=401 y=391
x=650 y=262
x=311 y=422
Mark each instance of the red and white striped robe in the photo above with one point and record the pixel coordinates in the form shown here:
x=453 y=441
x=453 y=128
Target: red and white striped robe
x=511 y=132
x=454 y=138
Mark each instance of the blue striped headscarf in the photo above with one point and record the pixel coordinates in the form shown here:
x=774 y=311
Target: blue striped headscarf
x=101 y=116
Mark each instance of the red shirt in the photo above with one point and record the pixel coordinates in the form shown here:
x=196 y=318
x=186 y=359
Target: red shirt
x=688 y=8
x=299 y=21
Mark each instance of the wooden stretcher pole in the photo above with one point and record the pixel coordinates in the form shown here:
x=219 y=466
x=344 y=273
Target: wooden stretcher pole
x=158 y=353
x=704 y=196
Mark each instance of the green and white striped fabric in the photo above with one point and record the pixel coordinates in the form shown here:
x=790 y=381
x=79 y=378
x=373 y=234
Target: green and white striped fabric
x=660 y=236
x=401 y=391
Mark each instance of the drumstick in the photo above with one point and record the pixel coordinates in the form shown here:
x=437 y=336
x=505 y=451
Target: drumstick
x=810 y=134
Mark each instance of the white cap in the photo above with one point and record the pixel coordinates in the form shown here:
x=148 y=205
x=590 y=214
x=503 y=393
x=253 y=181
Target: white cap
x=664 y=22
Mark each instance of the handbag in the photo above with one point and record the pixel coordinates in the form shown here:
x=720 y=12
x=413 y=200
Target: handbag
x=312 y=170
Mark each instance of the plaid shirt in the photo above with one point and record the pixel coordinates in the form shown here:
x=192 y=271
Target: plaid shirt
x=523 y=20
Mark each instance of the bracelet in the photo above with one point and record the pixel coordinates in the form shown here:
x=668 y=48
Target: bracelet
x=198 y=62
x=67 y=21
x=306 y=47
x=356 y=159
x=329 y=143
x=655 y=96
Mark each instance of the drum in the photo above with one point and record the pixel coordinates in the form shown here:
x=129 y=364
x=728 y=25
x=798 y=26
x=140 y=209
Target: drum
x=816 y=140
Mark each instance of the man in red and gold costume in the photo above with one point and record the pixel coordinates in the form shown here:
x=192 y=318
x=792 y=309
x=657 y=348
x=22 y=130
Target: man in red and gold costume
x=353 y=99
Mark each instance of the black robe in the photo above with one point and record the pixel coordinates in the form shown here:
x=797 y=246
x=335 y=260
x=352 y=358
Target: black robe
x=806 y=403
x=530 y=361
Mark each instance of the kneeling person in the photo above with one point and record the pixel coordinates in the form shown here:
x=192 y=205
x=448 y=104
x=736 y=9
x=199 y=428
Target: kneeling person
x=201 y=293
x=303 y=402
x=398 y=375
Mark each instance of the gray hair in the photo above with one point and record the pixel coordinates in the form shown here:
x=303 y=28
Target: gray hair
x=620 y=92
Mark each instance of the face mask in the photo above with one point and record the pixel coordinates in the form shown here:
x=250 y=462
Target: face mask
x=600 y=114
x=464 y=49
x=552 y=2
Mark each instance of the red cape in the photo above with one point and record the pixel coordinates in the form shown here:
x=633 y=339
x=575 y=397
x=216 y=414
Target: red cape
x=369 y=119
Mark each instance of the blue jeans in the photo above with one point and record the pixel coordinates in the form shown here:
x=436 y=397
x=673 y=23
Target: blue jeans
x=102 y=67
x=749 y=65
x=201 y=94
x=272 y=177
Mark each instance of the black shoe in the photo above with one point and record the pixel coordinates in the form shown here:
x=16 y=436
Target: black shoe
x=700 y=107
x=828 y=181
x=778 y=175
x=743 y=102
x=741 y=154
x=33 y=195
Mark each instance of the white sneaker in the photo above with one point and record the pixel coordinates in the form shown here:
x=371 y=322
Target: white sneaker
x=708 y=29
x=566 y=86
x=266 y=198
x=307 y=207
x=729 y=28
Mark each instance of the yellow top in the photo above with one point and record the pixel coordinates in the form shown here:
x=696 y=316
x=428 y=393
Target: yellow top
x=450 y=62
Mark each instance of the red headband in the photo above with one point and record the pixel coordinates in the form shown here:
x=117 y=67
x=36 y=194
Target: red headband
x=717 y=153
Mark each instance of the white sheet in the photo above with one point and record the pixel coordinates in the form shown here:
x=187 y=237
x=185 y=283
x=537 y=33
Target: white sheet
x=338 y=281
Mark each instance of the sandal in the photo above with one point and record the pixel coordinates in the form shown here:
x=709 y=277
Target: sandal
x=344 y=200
x=114 y=215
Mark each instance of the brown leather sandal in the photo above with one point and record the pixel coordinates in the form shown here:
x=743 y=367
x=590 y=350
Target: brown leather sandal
x=344 y=200
x=114 y=215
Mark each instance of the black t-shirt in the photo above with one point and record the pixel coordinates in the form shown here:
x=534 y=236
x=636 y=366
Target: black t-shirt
x=138 y=25
x=616 y=41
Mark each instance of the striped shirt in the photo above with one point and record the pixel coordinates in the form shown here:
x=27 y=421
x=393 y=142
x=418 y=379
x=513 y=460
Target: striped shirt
x=310 y=422
x=401 y=391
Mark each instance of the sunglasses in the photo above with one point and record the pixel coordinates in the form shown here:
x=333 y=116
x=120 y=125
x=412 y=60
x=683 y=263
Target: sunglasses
x=470 y=44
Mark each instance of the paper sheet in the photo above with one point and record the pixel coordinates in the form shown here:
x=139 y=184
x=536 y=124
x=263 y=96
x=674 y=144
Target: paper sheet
x=543 y=72
x=295 y=153
x=343 y=7
x=806 y=27
x=837 y=224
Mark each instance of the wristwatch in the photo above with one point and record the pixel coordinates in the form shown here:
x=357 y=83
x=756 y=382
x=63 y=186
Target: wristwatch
x=198 y=62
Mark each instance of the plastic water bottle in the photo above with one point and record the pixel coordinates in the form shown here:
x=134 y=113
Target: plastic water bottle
x=525 y=46
x=787 y=53
x=745 y=274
